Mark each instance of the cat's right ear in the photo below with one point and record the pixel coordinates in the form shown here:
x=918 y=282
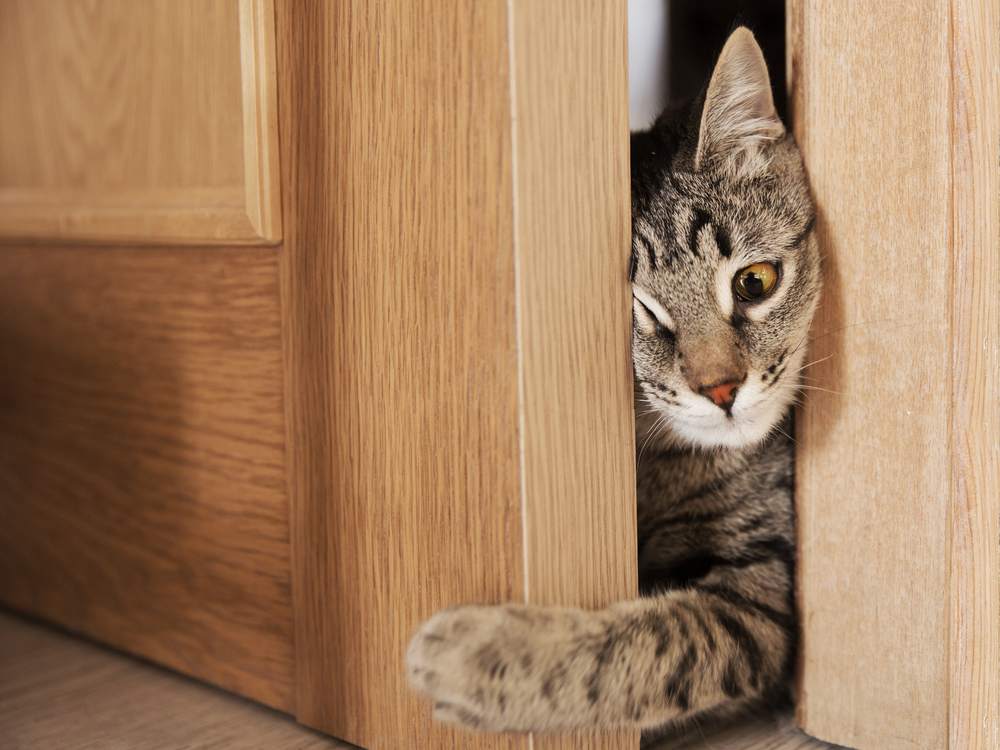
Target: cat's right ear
x=738 y=119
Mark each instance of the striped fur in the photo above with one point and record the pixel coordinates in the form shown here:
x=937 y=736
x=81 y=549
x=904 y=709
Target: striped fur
x=714 y=629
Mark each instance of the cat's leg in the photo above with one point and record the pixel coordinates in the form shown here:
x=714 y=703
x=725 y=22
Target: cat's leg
x=725 y=640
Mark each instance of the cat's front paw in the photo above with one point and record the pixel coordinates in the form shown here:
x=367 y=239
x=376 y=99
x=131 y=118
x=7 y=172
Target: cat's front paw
x=461 y=658
x=481 y=665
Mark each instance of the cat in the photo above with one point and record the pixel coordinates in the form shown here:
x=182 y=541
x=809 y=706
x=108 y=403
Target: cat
x=725 y=274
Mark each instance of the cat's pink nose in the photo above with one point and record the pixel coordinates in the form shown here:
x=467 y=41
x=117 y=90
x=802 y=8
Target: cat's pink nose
x=722 y=394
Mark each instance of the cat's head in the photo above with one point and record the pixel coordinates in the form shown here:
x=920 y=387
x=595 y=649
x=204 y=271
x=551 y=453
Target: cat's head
x=725 y=269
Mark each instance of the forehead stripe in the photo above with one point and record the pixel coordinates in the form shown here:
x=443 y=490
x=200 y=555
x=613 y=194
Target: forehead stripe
x=699 y=220
x=722 y=240
x=702 y=219
x=805 y=231
x=641 y=235
x=650 y=252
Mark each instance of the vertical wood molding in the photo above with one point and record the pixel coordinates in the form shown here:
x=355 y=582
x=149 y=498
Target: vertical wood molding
x=572 y=207
x=260 y=118
x=398 y=286
x=873 y=122
x=455 y=433
x=572 y=244
x=974 y=519
x=898 y=490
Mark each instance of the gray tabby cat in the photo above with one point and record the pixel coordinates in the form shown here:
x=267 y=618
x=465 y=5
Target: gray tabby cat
x=726 y=276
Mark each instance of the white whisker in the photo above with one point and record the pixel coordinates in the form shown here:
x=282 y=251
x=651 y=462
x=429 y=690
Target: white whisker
x=649 y=435
x=814 y=362
x=803 y=386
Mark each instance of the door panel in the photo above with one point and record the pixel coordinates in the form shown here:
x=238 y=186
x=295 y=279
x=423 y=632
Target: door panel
x=142 y=481
x=450 y=340
x=148 y=121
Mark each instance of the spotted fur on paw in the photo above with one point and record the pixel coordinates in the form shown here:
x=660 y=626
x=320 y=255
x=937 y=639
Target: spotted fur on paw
x=483 y=666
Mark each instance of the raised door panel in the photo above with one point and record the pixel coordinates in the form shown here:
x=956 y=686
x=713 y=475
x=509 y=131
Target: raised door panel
x=142 y=477
x=149 y=122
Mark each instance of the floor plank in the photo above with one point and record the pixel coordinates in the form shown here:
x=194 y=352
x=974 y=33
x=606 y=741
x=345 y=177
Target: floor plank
x=57 y=691
x=766 y=733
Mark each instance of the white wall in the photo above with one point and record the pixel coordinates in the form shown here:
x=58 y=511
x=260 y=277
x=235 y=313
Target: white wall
x=647 y=60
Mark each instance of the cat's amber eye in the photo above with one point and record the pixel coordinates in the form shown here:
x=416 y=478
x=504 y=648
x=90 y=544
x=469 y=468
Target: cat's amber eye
x=755 y=282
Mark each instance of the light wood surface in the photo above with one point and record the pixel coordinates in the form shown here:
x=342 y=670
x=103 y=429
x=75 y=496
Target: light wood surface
x=142 y=480
x=974 y=509
x=423 y=410
x=62 y=693
x=146 y=121
x=398 y=280
x=895 y=110
x=872 y=472
x=572 y=233
x=259 y=79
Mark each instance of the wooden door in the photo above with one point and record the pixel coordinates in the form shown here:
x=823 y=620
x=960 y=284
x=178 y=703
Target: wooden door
x=278 y=385
x=897 y=112
x=460 y=399
x=142 y=454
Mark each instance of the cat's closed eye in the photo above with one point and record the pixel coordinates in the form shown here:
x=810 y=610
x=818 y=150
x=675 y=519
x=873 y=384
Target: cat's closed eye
x=650 y=314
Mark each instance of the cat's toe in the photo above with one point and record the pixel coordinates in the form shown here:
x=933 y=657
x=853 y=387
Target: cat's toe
x=435 y=658
x=452 y=713
x=460 y=659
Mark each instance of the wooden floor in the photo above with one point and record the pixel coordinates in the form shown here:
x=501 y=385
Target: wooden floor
x=777 y=733
x=57 y=691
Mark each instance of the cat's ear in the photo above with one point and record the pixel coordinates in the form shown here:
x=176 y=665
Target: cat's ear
x=738 y=119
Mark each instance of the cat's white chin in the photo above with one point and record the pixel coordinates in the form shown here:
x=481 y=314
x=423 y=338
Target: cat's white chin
x=728 y=435
x=746 y=427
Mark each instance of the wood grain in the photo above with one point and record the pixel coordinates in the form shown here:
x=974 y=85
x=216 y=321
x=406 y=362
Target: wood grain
x=138 y=122
x=974 y=510
x=408 y=328
x=142 y=478
x=897 y=479
x=261 y=173
x=572 y=234
x=62 y=692
x=398 y=282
